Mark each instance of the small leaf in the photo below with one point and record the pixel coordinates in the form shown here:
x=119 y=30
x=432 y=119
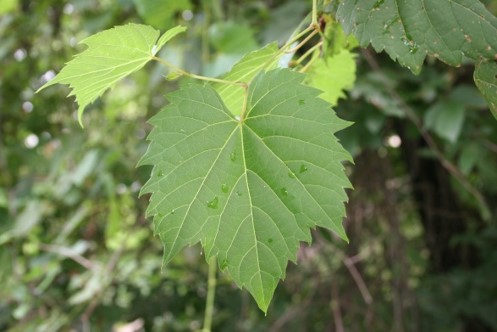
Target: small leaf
x=111 y=55
x=232 y=37
x=159 y=13
x=244 y=71
x=485 y=77
x=333 y=75
x=168 y=35
x=446 y=118
x=228 y=180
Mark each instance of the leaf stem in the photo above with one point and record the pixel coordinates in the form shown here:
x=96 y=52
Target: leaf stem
x=314 y=21
x=245 y=100
x=303 y=42
x=308 y=52
x=198 y=77
x=211 y=292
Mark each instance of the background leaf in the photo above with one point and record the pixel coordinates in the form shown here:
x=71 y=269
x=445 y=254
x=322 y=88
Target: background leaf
x=237 y=187
x=486 y=80
x=160 y=13
x=333 y=75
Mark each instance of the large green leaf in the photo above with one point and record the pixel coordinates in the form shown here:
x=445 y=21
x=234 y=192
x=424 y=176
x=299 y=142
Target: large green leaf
x=486 y=80
x=248 y=188
x=244 y=71
x=409 y=29
x=111 y=55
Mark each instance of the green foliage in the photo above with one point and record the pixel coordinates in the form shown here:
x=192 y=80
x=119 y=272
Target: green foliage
x=409 y=30
x=111 y=55
x=486 y=80
x=160 y=13
x=235 y=186
x=78 y=253
x=333 y=75
x=244 y=71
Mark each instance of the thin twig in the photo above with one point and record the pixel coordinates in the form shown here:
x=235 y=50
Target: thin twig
x=67 y=252
x=335 y=308
x=361 y=285
x=303 y=42
x=211 y=292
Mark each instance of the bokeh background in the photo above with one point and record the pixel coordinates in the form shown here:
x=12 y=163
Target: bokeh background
x=77 y=253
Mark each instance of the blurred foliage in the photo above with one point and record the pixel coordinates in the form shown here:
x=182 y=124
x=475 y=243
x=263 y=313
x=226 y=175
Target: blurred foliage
x=76 y=252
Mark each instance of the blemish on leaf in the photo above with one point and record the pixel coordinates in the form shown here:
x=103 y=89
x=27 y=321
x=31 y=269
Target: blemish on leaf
x=214 y=203
x=233 y=156
x=270 y=240
x=303 y=168
x=224 y=264
x=225 y=188
x=284 y=191
x=291 y=175
x=301 y=101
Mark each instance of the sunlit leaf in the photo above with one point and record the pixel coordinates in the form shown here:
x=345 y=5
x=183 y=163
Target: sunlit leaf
x=333 y=75
x=244 y=71
x=249 y=190
x=111 y=55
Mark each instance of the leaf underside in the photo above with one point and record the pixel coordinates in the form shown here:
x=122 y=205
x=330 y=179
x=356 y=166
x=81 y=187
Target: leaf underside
x=409 y=30
x=111 y=55
x=248 y=190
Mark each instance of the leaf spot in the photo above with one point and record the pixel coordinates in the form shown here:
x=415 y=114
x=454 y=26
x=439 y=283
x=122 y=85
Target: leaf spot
x=214 y=203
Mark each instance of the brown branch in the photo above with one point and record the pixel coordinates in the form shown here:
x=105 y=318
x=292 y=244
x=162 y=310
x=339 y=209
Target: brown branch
x=361 y=285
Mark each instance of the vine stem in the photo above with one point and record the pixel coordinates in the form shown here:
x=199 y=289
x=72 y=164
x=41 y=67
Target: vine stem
x=198 y=77
x=314 y=21
x=308 y=52
x=303 y=42
x=211 y=292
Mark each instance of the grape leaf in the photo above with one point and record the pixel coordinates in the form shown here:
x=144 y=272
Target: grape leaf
x=486 y=80
x=333 y=75
x=409 y=30
x=244 y=71
x=111 y=55
x=249 y=190
x=378 y=22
